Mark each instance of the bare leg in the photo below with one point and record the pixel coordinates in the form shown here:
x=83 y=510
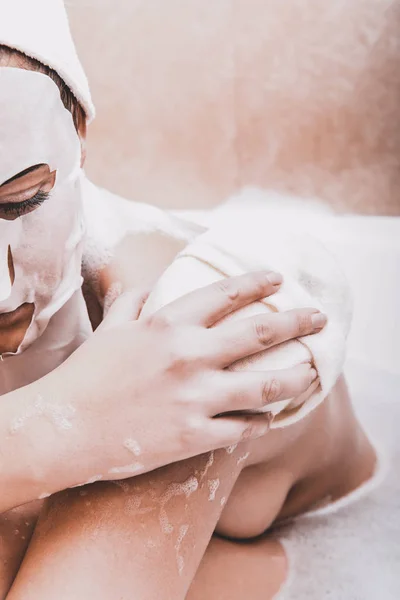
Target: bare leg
x=238 y=570
x=16 y=529
x=102 y=539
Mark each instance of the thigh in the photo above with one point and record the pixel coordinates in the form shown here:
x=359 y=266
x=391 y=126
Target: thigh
x=240 y=570
x=16 y=529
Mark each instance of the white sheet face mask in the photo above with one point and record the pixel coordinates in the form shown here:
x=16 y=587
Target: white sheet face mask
x=45 y=244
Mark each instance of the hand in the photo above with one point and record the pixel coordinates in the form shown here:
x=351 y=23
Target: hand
x=146 y=392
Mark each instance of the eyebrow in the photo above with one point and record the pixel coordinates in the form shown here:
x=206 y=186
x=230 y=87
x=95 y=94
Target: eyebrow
x=23 y=173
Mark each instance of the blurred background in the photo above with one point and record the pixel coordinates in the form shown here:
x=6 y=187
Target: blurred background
x=197 y=98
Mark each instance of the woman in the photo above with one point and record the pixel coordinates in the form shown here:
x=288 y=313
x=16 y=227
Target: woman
x=43 y=320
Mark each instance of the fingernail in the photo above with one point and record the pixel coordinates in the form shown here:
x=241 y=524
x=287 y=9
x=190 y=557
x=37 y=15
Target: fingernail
x=313 y=375
x=318 y=320
x=275 y=278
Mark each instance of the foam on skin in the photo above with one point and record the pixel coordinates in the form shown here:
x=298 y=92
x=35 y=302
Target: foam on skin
x=187 y=488
x=179 y=558
x=231 y=449
x=208 y=465
x=59 y=415
x=243 y=458
x=213 y=485
x=133 y=446
x=133 y=468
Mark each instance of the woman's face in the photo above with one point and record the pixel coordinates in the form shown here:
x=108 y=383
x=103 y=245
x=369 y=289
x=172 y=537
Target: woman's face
x=41 y=221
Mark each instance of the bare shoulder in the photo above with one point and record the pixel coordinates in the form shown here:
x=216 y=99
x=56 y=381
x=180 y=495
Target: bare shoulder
x=129 y=244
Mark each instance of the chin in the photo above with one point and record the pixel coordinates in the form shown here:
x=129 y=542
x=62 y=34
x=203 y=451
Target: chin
x=13 y=327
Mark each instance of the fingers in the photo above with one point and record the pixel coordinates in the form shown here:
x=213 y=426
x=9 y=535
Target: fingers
x=238 y=339
x=208 y=305
x=299 y=400
x=125 y=308
x=256 y=390
x=227 y=431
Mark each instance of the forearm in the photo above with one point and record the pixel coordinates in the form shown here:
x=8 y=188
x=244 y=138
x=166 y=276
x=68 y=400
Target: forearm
x=139 y=539
x=38 y=443
x=24 y=458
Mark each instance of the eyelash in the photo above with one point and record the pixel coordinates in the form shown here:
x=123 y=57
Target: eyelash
x=18 y=209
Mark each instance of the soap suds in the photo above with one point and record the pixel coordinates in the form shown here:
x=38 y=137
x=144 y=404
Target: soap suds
x=186 y=488
x=133 y=447
x=96 y=257
x=88 y=482
x=231 y=449
x=114 y=291
x=179 y=558
x=213 y=485
x=208 y=465
x=134 y=506
x=243 y=458
x=123 y=485
x=58 y=414
x=223 y=501
x=133 y=468
x=166 y=526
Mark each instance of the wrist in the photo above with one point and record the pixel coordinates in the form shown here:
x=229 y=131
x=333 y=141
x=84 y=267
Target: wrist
x=22 y=465
x=34 y=450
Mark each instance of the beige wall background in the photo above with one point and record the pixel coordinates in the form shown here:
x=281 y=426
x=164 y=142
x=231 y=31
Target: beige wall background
x=197 y=98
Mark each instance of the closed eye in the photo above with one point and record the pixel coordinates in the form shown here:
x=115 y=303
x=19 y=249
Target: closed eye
x=18 y=209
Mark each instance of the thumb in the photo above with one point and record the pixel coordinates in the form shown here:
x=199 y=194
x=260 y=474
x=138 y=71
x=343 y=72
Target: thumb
x=126 y=307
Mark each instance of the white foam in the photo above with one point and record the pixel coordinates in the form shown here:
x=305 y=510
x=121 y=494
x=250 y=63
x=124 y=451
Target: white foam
x=243 y=458
x=213 y=485
x=179 y=558
x=123 y=485
x=132 y=468
x=186 y=488
x=231 y=449
x=166 y=526
x=208 y=465
x=134 y=506
x=133 y=446
x=59 y=414
x=114 y=291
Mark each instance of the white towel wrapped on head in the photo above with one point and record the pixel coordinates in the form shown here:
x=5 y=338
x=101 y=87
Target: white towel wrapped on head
x=311 y=279
x=40 y=29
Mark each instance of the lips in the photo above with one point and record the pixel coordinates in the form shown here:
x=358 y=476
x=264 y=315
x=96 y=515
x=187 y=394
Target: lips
x=10 y=319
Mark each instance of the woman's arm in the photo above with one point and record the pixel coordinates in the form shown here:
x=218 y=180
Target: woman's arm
x=142 y=539
x=134 y=380
x=26 y=465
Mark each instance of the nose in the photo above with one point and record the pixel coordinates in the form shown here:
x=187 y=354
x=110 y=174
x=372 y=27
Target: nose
x=6 y=272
